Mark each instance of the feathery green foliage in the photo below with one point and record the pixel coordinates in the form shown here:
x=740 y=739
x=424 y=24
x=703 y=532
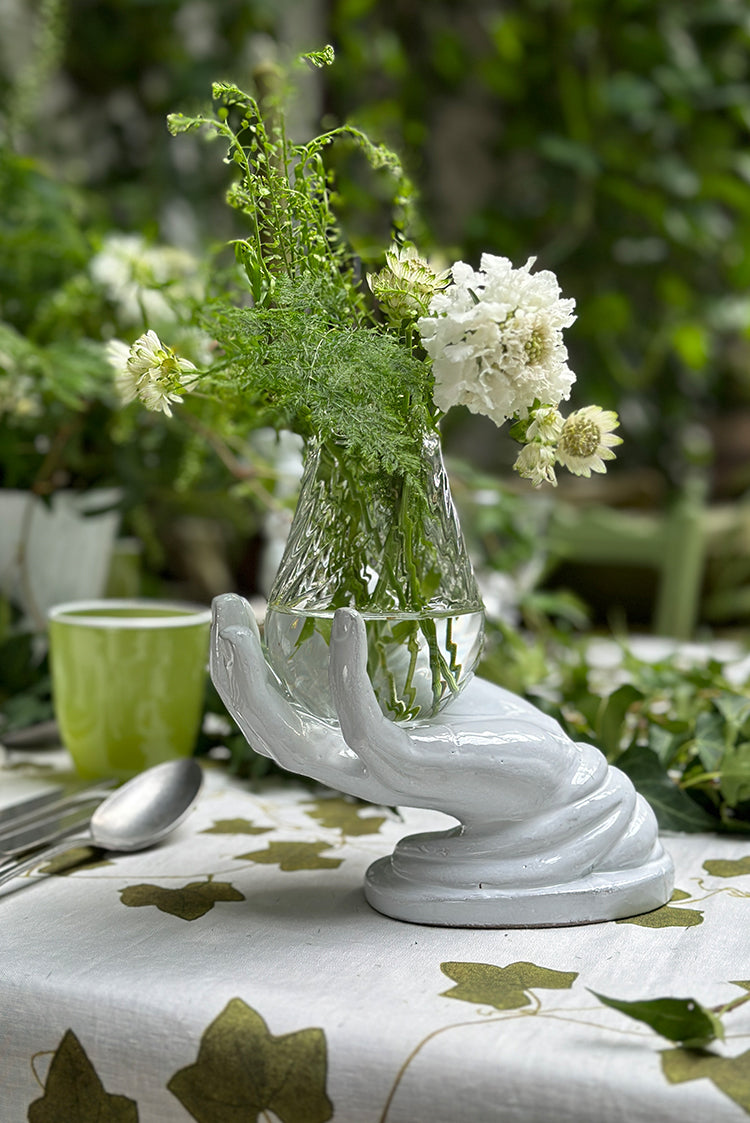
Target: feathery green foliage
x=307 y=351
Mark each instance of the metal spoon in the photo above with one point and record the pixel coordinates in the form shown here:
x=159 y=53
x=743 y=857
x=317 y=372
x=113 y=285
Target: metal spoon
x=139 y=814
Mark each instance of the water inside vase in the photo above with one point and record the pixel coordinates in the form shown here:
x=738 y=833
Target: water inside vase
x=416 y=663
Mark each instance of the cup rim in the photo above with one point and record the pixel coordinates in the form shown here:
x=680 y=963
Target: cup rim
x=74 y=612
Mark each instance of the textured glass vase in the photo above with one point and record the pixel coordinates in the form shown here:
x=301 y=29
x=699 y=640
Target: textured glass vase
x=394 y=551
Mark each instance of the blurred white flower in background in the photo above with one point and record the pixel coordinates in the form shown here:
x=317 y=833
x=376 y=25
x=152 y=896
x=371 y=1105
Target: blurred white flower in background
x=145 y=283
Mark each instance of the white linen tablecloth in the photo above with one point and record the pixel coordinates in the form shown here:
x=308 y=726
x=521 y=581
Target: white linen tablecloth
x=236 y=973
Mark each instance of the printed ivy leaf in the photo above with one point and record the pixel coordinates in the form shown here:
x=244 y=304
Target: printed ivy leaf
x=293 y=856
x=666 y=916
x=674 y=808
x=727 y=867
x=505 y=988
x=235 y=826
x=678 y=1019
x=731 y=1075
x=242 y=1070
x=73 y=1091
x=744 y=983
x=77 y=858
x=344 y=815
x=189 y=903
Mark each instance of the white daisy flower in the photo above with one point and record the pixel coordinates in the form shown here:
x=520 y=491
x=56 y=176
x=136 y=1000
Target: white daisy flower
x=536 y=462
x=495 y=339
x=126 y=381
x=587 y=439
x=151 y=371
x=546 y=425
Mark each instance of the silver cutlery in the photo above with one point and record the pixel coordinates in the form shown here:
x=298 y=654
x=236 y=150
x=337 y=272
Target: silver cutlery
x=134 y=817
x=47 y=818
x=48 y=804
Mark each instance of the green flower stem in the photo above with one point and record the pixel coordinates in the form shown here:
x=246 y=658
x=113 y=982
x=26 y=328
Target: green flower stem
x=720 y=1011
x=399 y=574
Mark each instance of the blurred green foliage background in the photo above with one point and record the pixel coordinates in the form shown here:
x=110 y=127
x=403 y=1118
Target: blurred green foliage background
x=607 y=138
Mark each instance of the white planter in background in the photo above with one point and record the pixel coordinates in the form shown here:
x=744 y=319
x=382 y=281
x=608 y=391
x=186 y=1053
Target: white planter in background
x=56 y=551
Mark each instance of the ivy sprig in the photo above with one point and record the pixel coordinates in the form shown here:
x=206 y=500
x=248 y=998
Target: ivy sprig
x=684 y=1021
x=680 y=732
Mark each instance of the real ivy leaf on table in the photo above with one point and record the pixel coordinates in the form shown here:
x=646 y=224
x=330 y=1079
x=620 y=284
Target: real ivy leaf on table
x=683 y=1020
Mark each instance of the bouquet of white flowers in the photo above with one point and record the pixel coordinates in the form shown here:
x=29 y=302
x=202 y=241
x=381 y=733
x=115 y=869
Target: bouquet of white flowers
x=363 y=365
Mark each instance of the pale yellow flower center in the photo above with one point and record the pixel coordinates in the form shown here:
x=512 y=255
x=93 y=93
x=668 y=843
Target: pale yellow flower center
x=580 y=436
x=537 y=346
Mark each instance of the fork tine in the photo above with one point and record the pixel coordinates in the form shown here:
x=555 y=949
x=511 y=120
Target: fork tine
x=53 y=802
x=13 y=845
x=31 y=804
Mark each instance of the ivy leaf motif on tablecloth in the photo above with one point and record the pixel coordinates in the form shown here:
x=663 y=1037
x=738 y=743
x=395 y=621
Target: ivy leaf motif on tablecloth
x=344 y=815
x=678 y=1019
x=235 y=826
x=667 y=916
x=77 y=858
x=731 y=1075
x=291 y=856
x=189 y=903
x=727 y=867
x=504 y=988
x=242 y=1070
x=73 y=1093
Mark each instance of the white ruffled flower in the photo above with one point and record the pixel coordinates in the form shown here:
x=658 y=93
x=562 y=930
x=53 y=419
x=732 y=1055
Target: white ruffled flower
x=495 y=339
x=406 y=285
x=587 y=439
x=151 y=371
x=536 y=462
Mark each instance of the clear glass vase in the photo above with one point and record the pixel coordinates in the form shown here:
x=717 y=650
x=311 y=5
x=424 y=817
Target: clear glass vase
x=394 y=551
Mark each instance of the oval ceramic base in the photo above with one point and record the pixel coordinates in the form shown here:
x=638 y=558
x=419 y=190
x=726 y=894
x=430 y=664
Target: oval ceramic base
x=613 y=895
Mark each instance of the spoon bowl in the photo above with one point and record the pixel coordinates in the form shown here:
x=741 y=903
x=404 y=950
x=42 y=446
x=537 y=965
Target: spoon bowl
x=135 y=816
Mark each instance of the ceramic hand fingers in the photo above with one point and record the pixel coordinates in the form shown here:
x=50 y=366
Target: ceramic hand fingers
x=384 y=747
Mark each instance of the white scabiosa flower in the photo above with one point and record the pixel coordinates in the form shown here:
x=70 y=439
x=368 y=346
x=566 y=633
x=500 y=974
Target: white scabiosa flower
x=587 y=439
x=536 y=462
x=495 y=339
x=151 y=371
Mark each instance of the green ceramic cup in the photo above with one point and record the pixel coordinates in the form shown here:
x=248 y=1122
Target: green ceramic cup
x=128 y=680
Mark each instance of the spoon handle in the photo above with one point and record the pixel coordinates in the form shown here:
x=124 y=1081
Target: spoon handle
x=43 y=855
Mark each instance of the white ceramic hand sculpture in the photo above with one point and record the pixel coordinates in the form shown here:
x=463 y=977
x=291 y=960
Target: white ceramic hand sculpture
x=549 y=833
